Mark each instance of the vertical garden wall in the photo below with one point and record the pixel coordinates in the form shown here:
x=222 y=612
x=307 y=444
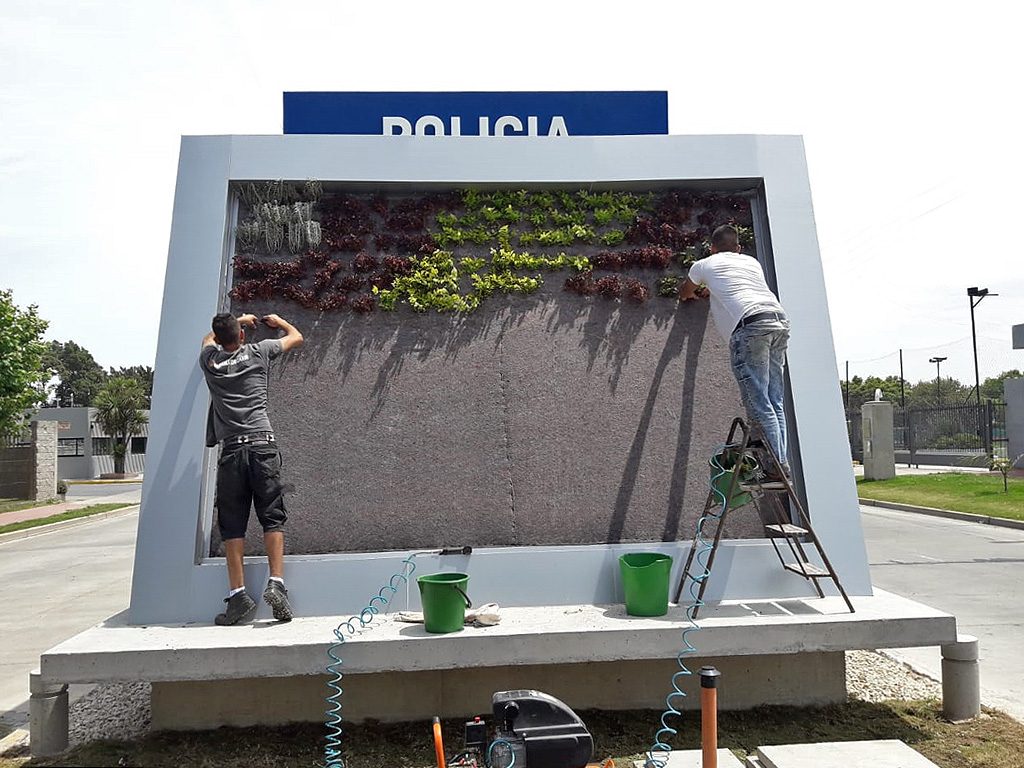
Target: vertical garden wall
x=488 y=366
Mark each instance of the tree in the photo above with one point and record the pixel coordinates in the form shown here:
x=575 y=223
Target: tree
x=142 y=374
x=119 y=406
x=80 y=375
x=992 y=388
x=23 y=371
x=863 y=390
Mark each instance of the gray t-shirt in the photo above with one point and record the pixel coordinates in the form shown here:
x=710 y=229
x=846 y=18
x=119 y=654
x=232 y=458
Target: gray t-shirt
x=238 y=387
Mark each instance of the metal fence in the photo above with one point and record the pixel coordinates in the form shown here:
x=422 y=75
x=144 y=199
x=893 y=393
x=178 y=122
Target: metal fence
x=952 y=434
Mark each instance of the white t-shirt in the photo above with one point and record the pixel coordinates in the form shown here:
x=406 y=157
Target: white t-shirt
x=737 y=286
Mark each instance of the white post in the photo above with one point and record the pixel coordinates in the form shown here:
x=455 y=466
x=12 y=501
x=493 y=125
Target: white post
x=961 y=685
x=47 y=716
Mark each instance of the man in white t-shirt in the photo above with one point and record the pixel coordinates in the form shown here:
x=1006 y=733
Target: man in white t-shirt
x=751 y=319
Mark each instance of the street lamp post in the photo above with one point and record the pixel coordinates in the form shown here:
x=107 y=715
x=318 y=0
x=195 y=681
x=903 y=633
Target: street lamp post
x=938 y=377
x=976 y=293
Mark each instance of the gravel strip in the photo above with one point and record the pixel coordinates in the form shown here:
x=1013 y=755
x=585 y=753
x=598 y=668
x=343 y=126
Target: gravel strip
x=118 y=712
x=872 y=676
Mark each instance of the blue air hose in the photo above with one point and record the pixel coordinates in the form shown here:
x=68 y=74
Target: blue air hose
x=657 y=755
x=347 y=628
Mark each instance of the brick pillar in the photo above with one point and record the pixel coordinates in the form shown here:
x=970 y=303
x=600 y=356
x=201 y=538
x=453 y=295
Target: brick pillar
x=44 y=460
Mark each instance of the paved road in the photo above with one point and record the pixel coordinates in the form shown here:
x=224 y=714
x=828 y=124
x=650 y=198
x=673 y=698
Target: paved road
x=975 y=572
x=102 y=493
x=58 y=583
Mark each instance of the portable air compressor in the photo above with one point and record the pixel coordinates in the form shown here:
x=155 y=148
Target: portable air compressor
x=531 y=730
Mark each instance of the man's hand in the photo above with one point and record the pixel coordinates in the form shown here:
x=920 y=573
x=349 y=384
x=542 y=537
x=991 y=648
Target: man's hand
x=689 y=291
x=274 y=321
x=249 y=320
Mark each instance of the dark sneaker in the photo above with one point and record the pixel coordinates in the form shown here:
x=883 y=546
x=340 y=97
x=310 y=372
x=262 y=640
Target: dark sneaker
x=240 y=608
x=276 y=596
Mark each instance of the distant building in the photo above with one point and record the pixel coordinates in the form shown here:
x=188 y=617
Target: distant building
x=84 y=450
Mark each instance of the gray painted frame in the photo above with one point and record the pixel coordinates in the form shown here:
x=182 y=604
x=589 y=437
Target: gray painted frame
x=173 y=583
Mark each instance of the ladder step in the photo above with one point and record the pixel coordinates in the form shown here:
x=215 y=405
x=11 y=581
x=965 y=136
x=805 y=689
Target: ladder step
x=774 y=486
x=808 y=570
x=786 y=529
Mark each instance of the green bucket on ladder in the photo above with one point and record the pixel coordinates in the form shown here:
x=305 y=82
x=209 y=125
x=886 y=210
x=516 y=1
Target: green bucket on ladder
x=645 y=582
x=444 y=600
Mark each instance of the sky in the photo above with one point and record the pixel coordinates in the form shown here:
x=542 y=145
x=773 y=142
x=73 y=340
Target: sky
x=908 y=111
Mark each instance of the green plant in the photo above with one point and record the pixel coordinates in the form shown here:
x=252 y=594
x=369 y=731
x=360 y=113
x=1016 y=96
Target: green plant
x=23 y=368
x=668 y=286
x=1004 y=467
x=119 y=413
x=614 y=237
x=472 y=264
x=504 y=282
x=432 y=284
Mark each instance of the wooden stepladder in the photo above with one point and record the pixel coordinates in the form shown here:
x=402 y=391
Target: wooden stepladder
x=785 y=520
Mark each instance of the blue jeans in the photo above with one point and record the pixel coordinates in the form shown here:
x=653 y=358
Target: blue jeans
x=758 y=353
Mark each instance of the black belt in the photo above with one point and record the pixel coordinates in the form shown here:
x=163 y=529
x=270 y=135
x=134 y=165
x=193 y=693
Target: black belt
x=255 y=437
x=759 y=316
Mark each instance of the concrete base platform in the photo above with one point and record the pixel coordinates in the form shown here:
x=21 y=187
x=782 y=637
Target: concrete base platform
x=691 y=758
x=843 y=754
x=591 y=656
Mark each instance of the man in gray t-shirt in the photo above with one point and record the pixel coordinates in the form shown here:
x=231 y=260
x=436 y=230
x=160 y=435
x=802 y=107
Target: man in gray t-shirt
x=249 y=466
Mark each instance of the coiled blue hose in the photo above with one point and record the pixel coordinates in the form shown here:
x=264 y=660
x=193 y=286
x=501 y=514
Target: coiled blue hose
x=347 y=628
x=657 y=755
x=490 y=753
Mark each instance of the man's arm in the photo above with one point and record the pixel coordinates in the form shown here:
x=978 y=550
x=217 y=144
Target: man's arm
x=292 y=337
x=208 y=341
x=690 y=290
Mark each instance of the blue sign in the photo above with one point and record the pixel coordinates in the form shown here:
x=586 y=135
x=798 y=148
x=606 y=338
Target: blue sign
x=480 y=113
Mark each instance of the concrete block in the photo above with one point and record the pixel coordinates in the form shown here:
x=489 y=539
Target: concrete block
x=961 y=681
x=843 y=754
x=48 y=716
x=692 y=758
x=879 y=446
x=1013 y=396
x=796 y=679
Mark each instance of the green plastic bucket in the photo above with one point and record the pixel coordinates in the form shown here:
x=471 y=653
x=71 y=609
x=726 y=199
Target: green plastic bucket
x=444 y=601
x=645 y=582
x=721 y=480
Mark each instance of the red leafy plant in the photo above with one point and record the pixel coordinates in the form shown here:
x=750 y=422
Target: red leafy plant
x=363 y=304
x=582 y=284
x=364 y=262
x=636 y=290
x=610 y=286
x=405 y=243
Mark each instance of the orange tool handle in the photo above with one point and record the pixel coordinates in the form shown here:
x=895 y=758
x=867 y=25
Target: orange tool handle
x=438 y=743
x=709 y=717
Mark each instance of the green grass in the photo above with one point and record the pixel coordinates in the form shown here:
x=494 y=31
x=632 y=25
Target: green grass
x=16 y=505
x=94 y=509
x=992 y=741
x=979 y=494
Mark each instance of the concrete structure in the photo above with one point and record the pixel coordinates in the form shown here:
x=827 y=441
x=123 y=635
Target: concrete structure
x=175 y=581
x=1013 y=396
x=840 y=754
x=877 y=432
x=693 y=758
x=83 y=448
x=1018 y=336
x=44 y=459
x=961 y=684
x=48 y=712
x=588 y=655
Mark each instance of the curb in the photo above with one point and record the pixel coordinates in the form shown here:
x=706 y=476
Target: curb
x=127 y=481
x=39 y=530
x=966 y=517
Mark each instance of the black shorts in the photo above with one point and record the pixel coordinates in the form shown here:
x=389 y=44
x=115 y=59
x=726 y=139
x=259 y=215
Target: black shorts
x=247 y=475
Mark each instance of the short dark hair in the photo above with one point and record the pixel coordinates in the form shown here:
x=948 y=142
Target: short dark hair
x=726 y=238
x=226 y=329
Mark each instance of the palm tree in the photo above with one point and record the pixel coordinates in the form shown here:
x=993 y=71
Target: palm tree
x=119 y=413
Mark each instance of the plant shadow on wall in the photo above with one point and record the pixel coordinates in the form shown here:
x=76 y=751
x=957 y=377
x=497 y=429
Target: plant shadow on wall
x=505 y=293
